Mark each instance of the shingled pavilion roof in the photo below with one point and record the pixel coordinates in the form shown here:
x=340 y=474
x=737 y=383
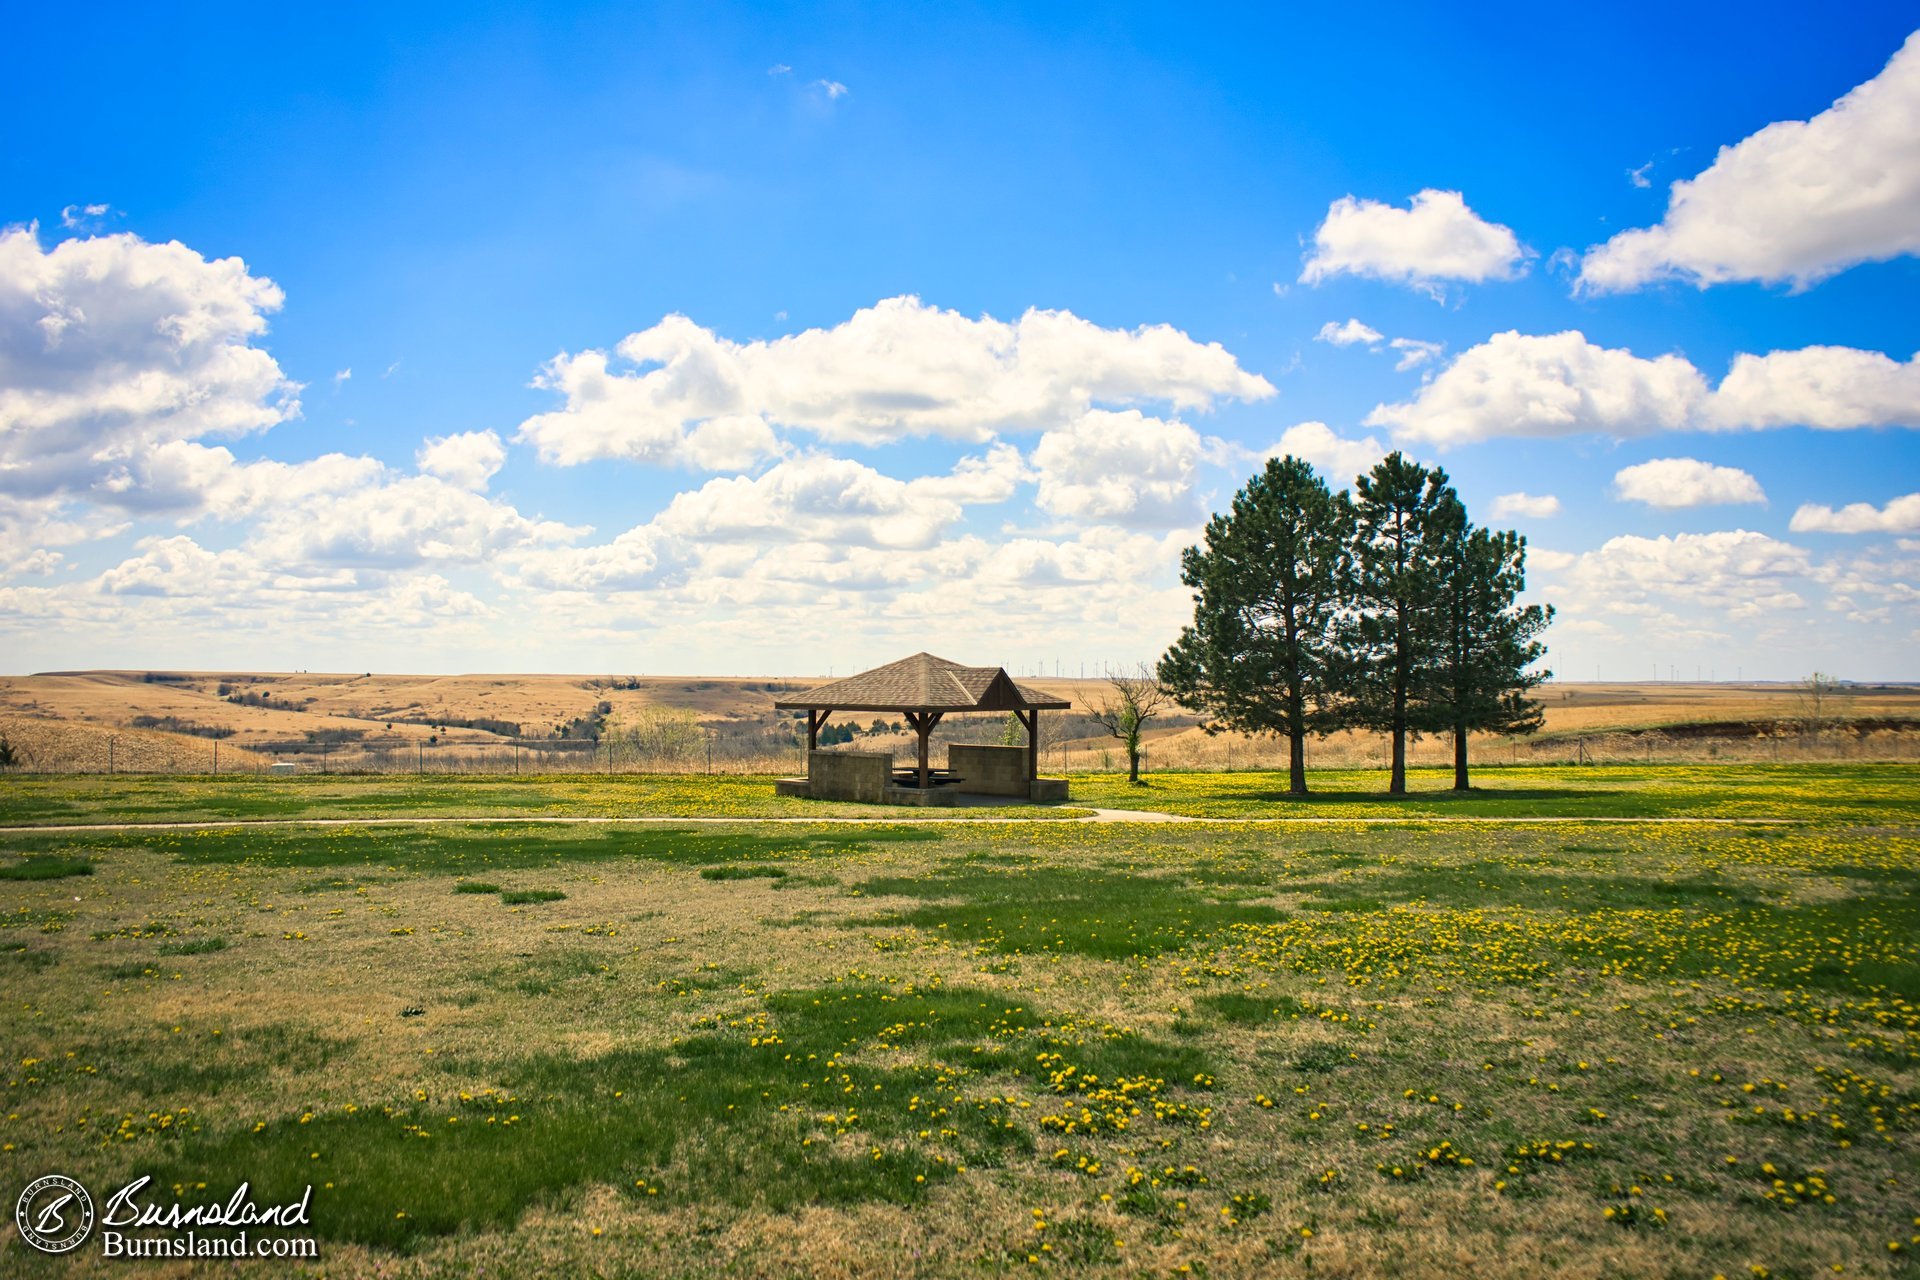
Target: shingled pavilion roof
x=925 y=683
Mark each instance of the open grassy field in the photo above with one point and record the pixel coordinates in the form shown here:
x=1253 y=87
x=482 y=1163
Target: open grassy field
x=1865 y=793
x=1053 y=1048
x=93 y=798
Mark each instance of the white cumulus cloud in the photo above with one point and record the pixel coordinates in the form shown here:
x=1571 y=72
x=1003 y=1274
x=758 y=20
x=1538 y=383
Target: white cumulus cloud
x=1438 y=238
x=1797 y=201
x=111 y=346
x=991 y=477
x=1119 y=467
x=1331 y=453
x=1901 y=515
x=1552 y=385
x=469 y=459
x=679 y=394
x=189 y=480
x=1532 y=506
x=1685 y=482
x=1736 y=570
x=819 y=498
x=1830 y=388
x=1352 y=333
x=1516 y=384
x=406 y=522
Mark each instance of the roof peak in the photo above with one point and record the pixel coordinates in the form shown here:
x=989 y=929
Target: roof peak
x=924 y=682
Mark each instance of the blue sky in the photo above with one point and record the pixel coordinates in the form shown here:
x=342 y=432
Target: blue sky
x=1224 y=226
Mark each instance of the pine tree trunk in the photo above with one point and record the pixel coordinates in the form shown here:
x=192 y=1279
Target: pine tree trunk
x=1397 y=781
x=1297 y=763
x=1460 y=757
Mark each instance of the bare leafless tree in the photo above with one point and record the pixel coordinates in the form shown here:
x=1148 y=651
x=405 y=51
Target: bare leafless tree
x=1135 y=697
x=1815 y=703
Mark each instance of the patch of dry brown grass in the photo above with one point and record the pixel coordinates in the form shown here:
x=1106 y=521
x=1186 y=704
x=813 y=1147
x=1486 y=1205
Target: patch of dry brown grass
x=68 y=746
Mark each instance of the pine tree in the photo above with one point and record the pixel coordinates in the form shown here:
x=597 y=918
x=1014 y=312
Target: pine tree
x=1391 y=636
x=1482 y=671
x=1267 y=585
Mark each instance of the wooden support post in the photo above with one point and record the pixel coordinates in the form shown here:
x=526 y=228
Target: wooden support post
x=923 y=725
x=816 y=721
x=1033 y=744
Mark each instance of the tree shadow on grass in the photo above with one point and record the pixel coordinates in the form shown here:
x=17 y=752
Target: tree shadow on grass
x=1475 y=797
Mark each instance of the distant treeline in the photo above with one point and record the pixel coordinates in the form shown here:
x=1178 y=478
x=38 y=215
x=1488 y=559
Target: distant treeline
x=174 y=724
x=247 y=699
x=635 y=683
x=486 y=724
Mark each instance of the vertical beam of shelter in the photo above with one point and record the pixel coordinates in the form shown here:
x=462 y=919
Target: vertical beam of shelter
x=922 y=726
x=1032 y=721
x=816 y=721
x=1033 y=745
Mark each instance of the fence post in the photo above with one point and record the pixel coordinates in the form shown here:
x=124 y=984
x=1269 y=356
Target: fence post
x=110 y=741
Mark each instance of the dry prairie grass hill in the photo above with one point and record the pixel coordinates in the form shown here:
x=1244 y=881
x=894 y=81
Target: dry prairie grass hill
x=166 y=720
x=76 y=746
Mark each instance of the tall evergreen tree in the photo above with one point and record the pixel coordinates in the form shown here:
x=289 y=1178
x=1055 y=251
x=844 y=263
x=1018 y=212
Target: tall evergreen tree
x=1391 y=635
x=1482 y=670
x=1267 y=585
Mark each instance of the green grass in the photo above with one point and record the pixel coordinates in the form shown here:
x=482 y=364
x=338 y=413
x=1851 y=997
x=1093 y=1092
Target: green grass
x=193 y=947
x=1181 y=1044
x=718 y=1116
x=520 y=897
x=1087 y=912
x=475 y=850
x=1847 y=793
x=1826 y=792
x=1240 y=1009
x=45 y=867
x=85 y=798
x=744 y=871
